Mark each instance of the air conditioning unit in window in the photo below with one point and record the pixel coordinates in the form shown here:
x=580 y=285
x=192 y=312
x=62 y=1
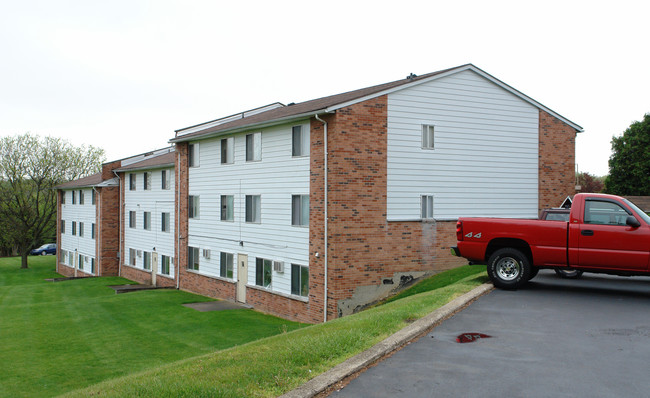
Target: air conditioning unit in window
x=278 y=266
x=206 y=253
x=139 y=253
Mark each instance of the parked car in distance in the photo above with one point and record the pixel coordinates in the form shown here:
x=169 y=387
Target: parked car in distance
x=48 y=248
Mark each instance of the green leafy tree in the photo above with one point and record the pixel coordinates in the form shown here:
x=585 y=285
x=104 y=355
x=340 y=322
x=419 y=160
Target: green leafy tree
x=629 y=165
x=30 y=168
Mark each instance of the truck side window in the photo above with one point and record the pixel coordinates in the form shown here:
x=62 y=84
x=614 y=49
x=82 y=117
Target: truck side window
x=604 y=213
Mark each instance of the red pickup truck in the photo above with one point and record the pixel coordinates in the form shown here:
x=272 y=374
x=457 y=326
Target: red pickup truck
x=605 y=234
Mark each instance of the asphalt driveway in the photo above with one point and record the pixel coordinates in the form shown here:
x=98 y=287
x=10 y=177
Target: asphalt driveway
x=556 y=338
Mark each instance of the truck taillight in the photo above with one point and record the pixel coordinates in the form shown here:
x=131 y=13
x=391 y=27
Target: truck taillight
x=459 y=230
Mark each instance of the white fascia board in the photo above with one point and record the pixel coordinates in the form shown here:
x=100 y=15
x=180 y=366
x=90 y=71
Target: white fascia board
x=454 y=71
x=154 y=167
x=259 y=125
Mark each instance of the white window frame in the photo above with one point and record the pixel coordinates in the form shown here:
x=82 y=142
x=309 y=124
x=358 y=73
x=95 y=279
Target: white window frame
x=133 y=182
x=299 y=141
x=428 y=136
x=165 y=265
x=147 y=220
x=165 y=179
x=300 y=210
x=133 y=223
x=254 y=147
x=426 y=207
x=132 y=257
x=300 y=269
x=81 y=197
x=227 y=209
x=165 y=218
x=194 y=207
x=146 y=262
x=227 y=148
x=226 y=268
x=253 y=209
x=92 y=231
x=193 y=258
x=81 y=229
x=146 y=183
x=193 y=155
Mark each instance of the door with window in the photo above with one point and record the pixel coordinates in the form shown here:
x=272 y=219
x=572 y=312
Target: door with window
x=242 y=277
x=606 y=241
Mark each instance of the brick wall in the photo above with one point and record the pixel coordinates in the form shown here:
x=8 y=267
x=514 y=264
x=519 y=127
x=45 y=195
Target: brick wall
x=144 y=277
x=108 y=231
x=556 y=161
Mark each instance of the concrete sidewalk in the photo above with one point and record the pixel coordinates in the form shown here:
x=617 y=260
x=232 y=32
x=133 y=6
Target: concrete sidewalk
x=418 y=328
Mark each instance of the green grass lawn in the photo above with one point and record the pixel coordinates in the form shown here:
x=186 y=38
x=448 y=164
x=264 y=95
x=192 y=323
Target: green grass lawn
x=60 y=336
x=275 y=365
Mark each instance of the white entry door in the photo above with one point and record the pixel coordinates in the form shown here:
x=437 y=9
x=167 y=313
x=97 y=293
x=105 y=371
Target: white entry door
x=242 y=277
x=154 y=267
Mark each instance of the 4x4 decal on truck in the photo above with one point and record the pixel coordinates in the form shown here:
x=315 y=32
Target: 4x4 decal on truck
x=471 y=235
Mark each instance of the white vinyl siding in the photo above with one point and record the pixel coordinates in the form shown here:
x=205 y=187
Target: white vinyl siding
x=148 y=208
x=275 y=179
x=81 y=243
x=485 y=161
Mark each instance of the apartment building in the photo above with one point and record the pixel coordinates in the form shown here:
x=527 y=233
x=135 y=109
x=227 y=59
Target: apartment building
x=314 y=210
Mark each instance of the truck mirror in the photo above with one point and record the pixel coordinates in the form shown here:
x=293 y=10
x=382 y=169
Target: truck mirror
x=632 y=222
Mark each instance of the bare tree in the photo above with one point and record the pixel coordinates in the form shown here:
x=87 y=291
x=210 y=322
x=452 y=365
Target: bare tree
x=30 y=168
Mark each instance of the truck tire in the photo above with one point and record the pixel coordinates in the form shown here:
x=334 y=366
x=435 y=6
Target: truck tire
x=509 y=269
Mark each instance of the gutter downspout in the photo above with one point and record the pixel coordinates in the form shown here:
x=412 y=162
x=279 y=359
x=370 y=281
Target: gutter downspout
x=98 y=236
x=120 y=224
x=177 y=210
x=326 y=216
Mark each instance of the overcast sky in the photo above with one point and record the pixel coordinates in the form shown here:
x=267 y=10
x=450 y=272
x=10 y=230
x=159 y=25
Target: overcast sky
x=123 y=75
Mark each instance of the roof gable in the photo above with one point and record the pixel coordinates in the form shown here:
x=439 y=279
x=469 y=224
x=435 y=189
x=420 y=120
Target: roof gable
x=332 y=103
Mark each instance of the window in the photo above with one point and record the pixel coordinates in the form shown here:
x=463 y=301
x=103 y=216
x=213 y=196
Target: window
x=146 y=180
x=74 y=198
x=92 y=231
x=426 y=203
x=194 y=155
x=253 y=147
x=80 y=264
x=62 y=197
x=165 y=179
x=427 y=136
x=164 y=222
x=299 y=280
x=193 y=258
x=81 y=229
x=62 y=226
x=300 y=210
x=132 y=256
x=74 y=228
x=253 y=208
x=62 y=256
x=164 y=264
x=605 y=213
x=226 y=265
x=92 y=265
x=227 y=150
x=227 y=207
x=194 y=204
x=93 y=198
x=132 y=181
x=147 y=260
x=299 y=141
x=147 y=220
x=263 y=272
x=71 y=259
x=131 y=219
x=81 y=197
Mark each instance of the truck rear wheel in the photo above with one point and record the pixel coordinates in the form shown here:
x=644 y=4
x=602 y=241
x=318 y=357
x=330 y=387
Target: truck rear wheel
x=509 y=269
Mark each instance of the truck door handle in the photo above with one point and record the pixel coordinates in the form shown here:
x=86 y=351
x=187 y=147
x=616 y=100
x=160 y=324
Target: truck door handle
x=587 y=232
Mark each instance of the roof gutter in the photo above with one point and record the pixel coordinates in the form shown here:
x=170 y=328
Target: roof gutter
x=326 y=215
